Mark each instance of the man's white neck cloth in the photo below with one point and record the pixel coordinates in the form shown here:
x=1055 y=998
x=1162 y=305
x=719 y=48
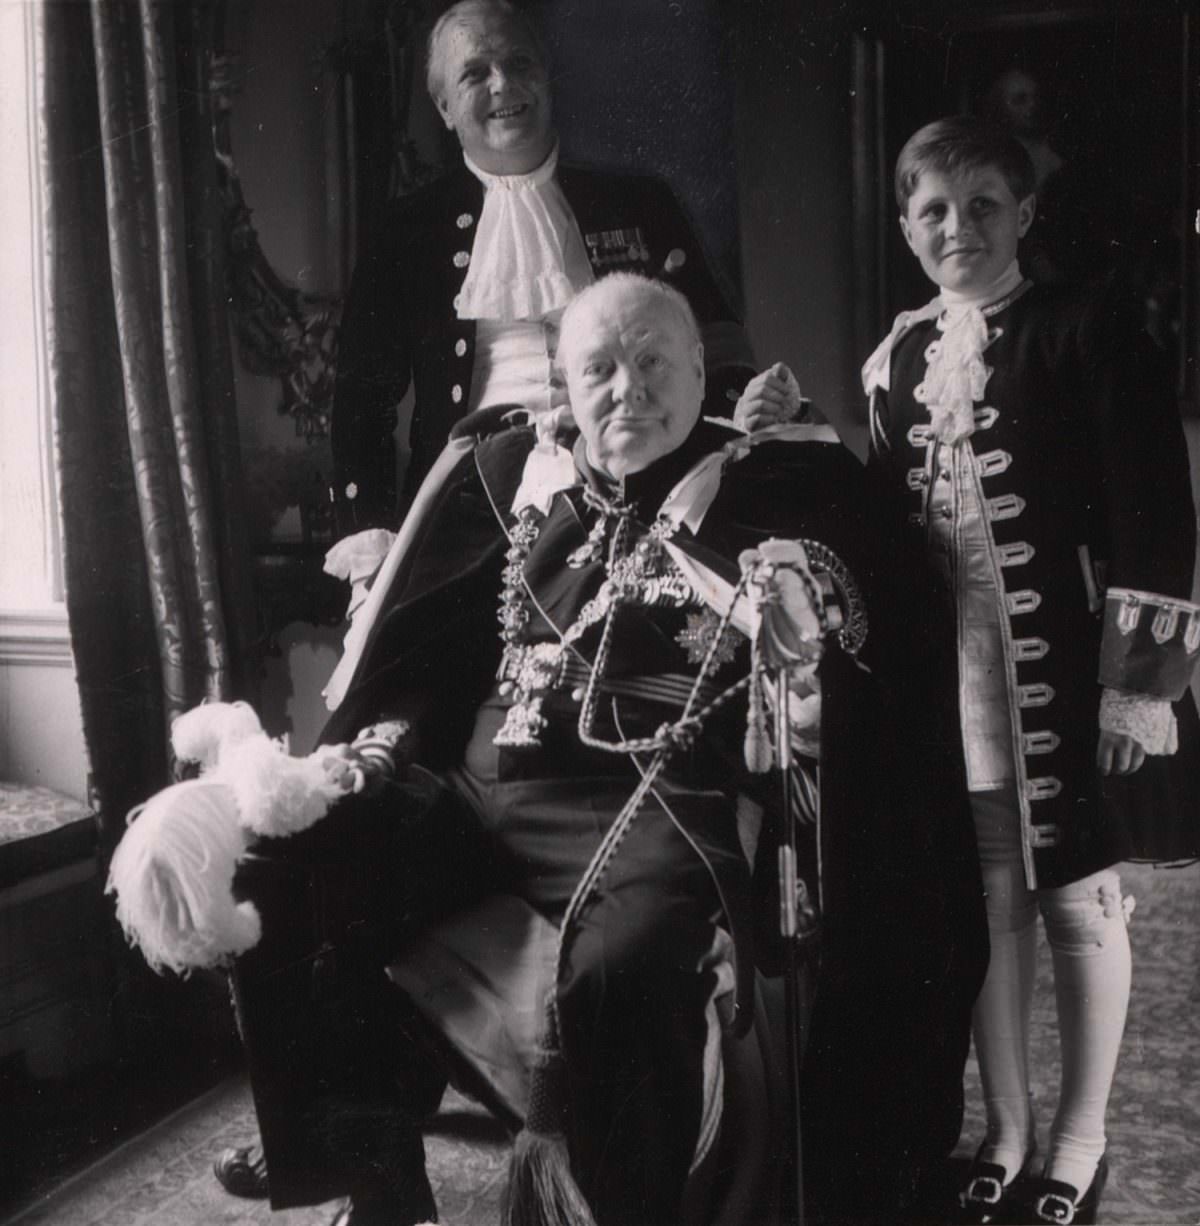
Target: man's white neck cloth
x=528 y=257
x=956 y=374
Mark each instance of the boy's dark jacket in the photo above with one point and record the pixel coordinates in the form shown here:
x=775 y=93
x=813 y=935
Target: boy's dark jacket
x=1083 y=459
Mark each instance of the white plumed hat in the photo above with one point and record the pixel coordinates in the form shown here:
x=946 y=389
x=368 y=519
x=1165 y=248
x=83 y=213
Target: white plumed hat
x=173 y=870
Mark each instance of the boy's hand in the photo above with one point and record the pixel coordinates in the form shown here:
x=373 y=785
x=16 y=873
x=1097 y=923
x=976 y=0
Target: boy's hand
x=1118 y=754
x=771 y=397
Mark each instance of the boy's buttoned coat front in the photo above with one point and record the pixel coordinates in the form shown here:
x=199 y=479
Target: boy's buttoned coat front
x=1081 y=471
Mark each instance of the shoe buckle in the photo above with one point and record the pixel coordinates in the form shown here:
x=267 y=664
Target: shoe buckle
x=1054 y=1208
x=984 y=1190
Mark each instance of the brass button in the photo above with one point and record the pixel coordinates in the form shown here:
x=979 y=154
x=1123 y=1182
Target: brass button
x=456 y=393
x=462 y=259
x=460 y=347
x=464 y=221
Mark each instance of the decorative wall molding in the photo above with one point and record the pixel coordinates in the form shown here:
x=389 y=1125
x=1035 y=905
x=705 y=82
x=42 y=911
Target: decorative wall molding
x=35 y=636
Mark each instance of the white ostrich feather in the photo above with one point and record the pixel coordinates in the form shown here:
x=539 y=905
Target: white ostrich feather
x=172 y=874
x=277 y=795
x=173 y=870
x=205 y=732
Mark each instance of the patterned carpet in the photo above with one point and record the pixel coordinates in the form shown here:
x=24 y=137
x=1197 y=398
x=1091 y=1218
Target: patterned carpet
x=163 y=1177
x=1154 y=1114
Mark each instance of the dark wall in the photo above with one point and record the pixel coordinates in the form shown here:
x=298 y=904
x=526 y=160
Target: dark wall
x=792 y=139
x=649 y=85
x=744 y=107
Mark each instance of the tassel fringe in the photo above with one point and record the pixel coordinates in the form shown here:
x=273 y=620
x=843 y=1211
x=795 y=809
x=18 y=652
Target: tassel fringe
x=760 y=756
x=541 y=1190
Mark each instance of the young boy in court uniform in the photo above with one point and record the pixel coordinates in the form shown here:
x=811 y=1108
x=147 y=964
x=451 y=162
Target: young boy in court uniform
x=1038 y=437
x=1033 y=434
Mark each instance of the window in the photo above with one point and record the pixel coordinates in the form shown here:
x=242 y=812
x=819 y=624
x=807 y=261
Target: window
x=31 y=584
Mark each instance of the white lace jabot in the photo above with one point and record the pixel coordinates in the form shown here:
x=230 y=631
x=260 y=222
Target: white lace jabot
x=876 y=371
x=528 y=258
x=956 y=374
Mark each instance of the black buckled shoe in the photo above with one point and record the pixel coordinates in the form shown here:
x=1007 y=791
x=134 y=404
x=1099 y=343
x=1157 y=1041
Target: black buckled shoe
x=1051 y=1200
x=985 y=1197
x=242 y=1171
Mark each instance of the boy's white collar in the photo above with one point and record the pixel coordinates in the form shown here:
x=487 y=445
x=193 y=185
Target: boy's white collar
x=1001 y=287
x=876 y=371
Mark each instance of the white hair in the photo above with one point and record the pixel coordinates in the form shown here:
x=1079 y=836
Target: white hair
x=619 y=283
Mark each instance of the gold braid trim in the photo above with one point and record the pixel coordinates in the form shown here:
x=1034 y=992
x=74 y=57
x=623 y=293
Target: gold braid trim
x=852 y=632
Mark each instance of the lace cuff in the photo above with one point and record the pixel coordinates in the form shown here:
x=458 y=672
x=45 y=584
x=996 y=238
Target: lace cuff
x=1150 y=721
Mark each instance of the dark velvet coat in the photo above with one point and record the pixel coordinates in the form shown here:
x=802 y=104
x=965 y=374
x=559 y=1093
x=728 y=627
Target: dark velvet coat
x=400 y=325
x=902 y=900
x=1084 y=476
x=903 y=919
x=433 y=654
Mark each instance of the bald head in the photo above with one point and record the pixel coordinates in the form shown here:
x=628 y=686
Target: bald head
x=627 y=287
x=634 y=365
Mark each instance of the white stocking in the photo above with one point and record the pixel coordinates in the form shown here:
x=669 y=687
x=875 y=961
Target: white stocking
x=1000 y=1022
x=1085 y=925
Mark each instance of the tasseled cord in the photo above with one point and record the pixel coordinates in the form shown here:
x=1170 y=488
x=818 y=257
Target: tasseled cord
x=541 y=1190
x=759 y=752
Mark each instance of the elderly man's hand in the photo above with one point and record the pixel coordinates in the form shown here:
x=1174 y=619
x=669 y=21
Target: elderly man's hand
x=771 y=397
x=352 y=771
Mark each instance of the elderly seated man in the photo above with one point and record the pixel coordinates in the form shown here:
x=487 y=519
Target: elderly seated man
x=572 y=662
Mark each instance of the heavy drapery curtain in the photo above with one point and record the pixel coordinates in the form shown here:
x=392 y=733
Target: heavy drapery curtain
x=158 y=577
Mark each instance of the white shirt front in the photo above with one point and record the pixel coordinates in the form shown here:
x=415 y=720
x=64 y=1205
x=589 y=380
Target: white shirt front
x=527 y=263
x=528 y=258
